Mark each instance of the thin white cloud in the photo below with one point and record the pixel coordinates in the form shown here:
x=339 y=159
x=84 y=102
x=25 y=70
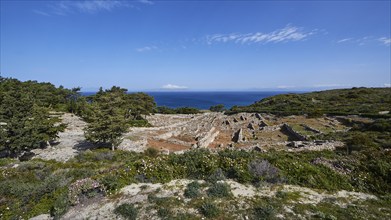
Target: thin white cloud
x=146 y=49
x=85 y=6
x=98 y=5
x=345 y=40
x=286 y=34
x=387 y=84
x=366 y=40
x=173 y=87
x=41 y=13
x=385 y=41
x=146 y=2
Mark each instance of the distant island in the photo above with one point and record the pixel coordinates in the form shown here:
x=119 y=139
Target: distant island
x=115 y=154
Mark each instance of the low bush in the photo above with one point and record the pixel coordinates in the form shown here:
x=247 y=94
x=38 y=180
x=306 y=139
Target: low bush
x=127 y=211
x=110 y=182
x=164 y=213
x=219 y=190
x=217 y=175
x=192 y=190
x=60 y=204
x=209 y=210
x=84 y=188
x=262 y=170
x=151 y=152
x=262 y=212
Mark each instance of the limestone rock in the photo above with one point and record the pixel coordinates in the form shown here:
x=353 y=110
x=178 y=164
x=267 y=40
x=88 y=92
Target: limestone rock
x=42 y=217
x=208 y=138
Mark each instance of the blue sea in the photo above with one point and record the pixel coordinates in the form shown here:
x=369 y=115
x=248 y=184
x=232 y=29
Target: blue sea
x=203 y=100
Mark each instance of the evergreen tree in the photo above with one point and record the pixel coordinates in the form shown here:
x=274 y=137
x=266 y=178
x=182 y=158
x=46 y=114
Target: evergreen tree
x=23 y=124
x=138 y=104
x=108 y=123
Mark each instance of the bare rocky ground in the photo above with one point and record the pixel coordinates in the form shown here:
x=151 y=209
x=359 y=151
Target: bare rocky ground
x=138 y=194
x=177 y=133
x=69 y=142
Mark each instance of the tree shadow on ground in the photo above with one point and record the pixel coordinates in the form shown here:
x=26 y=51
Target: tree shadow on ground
x=85 y=145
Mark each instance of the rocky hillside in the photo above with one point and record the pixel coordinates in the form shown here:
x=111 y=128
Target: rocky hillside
x=373 y=102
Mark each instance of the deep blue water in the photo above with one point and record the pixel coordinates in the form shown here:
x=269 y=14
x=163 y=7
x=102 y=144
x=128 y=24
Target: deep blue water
x=203 y=100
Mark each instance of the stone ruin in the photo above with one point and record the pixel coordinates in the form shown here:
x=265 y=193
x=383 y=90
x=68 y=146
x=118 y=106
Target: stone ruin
x=177 y=133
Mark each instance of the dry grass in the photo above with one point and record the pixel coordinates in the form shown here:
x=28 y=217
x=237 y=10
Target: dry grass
x=165 y=145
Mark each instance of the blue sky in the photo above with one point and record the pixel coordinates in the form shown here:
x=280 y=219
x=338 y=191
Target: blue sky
x=198 y=45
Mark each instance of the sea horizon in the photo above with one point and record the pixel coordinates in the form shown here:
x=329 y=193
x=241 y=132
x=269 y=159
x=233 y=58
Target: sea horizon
x=205 y=99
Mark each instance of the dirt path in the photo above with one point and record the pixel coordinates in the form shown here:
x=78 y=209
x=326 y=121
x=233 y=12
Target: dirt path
x=69 y=142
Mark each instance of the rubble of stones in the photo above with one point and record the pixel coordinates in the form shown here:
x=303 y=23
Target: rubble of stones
x=247 y=131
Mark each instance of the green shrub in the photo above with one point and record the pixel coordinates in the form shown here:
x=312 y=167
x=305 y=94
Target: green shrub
x=80 y=173
x=127 y=211
x=217 y=108
x=152 y=198
x=217 y=175
x=209 y=210
x=219 y=190
x=60 y=204
x=194 y=164
x=151 y=152
x=357 y=142
x=164 y=213
x=263 y=212
x=281 y=194
x=110 y=182
x=192 y=190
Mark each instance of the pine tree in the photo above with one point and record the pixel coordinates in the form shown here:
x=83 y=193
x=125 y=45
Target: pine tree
x=23 y=124
x=108 y=123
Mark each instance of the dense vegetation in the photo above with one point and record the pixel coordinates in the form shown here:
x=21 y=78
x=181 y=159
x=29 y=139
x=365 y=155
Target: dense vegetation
x=363 y=101
x=180 y=110
x=27 y=120
x=112 y=112
x=217 y=108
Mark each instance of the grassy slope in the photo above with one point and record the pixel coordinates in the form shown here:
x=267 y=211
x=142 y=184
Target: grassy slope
x=365 y=101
